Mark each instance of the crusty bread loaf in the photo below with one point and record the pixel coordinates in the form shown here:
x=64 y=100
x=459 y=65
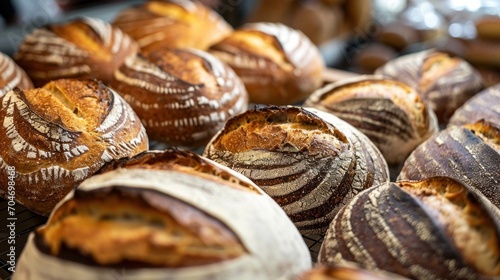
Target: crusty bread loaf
x=172 y=24
x=11 y=76
x=56 y=136
x=310 y=162
x=444 y=82
x=430 y=229
x=470 y=154
x=82 y=48
x=484 y=105
x=166 y=215
x=278 y=65
x=389 y=112
x=199 y=92
x=488 y=27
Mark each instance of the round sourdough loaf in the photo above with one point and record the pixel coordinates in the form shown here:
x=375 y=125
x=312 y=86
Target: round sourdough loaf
x=309 y=161
x=469 y=153
x=430 y=229
x=389 y=112
x=165 y=215
x=172 y=24
x=56 y=136
x=82 y=48
x=183 y=97
x=279 y=65
x=444 y=82
x=12 y=76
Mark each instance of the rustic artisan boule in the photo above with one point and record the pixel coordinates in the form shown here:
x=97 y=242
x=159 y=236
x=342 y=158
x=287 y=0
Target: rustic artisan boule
x=82 y=48
x=165 y=215
x=389 y=112
x=484 y=105
x=470 y=154
x=430 y=229
x=172 y=24
x=310 y=165
x=11 y=76
x=444 y=82
x=278 y=65
x=56 y=136
x=183 y=97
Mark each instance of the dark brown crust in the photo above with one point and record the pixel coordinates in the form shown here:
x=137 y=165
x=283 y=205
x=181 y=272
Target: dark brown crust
x=55 y=137
x=469 y=154
x=195 y=26
x=483 y=105
x=82 y=48
x=199 y=92
x=400 y=230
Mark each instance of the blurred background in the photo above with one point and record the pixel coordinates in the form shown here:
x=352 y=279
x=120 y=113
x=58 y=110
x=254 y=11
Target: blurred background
x=353 y=35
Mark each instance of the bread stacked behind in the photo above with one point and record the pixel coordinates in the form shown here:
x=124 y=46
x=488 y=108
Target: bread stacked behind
x=11 y=76
x=166 y=215
x=172 y=24
x=279 y=65
x=82 y=48
x=56 y=136
x=183 y=97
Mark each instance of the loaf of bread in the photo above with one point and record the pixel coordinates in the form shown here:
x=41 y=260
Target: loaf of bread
x=11 y=76
x=389 y=112
x=278 y=65
x=373 y=56
x=430 y=229
x=488 y=27
x=162 y=24
x=183 y=97
x=444 y=82
x=309 y=161
x=165 y=215
x=484 y=105
x=54 y=137
x=470 y=154
x=82 y=48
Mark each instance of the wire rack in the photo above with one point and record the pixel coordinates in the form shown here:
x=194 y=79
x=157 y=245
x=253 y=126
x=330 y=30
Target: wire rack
x=26 y=221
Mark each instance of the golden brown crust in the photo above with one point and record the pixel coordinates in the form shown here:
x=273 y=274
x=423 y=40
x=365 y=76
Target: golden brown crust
x=172 y=24
x=60 y=134
x=389 y=112
x=12 y=76
x=82 y=48
x=159 y=230
x=308 y=165
x=405 y=222
x=278 y=65
x=200 y=93
x=487 y=27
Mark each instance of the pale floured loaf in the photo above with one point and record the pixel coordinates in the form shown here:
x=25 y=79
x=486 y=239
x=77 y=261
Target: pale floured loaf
x=165 y=215
x=11 y=76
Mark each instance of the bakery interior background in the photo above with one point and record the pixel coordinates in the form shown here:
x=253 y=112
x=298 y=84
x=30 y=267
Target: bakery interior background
x=359 y=39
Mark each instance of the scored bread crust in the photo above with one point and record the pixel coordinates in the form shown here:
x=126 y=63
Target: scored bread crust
x=483 y=105
x=82 y=48
x=12 y=76
x=389 y=112
x=397 y=226
x=199 y=92
x=56 y=136
x=229 y=220
x=279 y=65
x=172 y=24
